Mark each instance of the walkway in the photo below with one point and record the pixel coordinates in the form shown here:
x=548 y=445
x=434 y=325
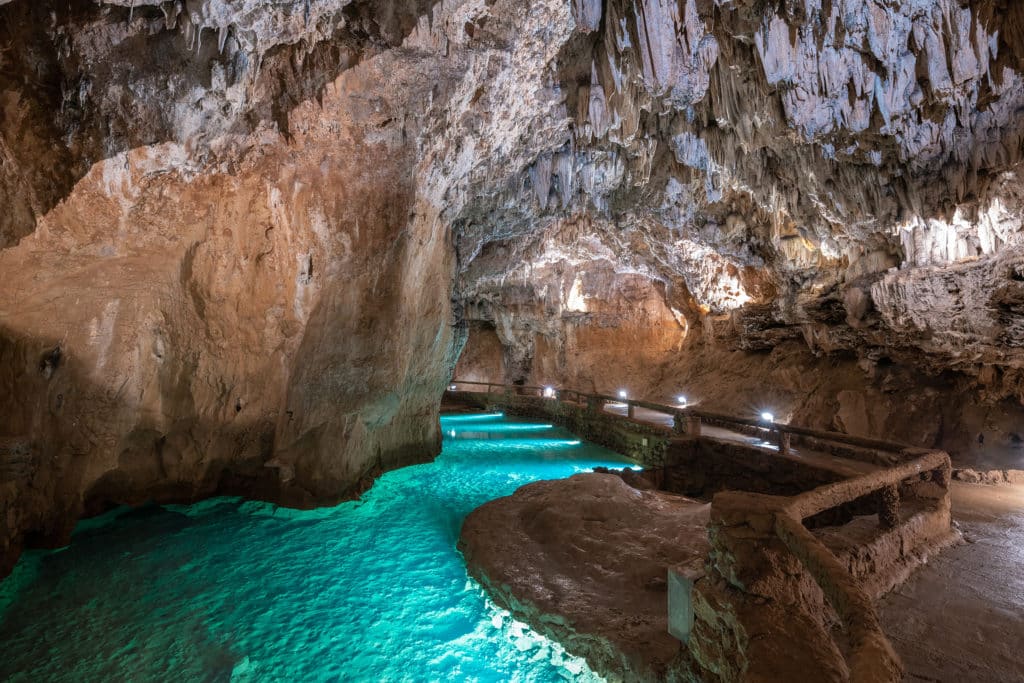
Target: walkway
x=843 y=466
x=961 y=617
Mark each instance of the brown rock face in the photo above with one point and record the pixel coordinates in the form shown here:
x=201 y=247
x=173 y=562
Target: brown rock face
x=226 y=256
x=242 y=243
x=175 y=333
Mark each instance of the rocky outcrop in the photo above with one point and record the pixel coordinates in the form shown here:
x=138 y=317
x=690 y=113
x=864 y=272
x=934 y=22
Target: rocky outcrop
x=244 y=241
x=228 y=257
x=824 y=196
x=585 y=560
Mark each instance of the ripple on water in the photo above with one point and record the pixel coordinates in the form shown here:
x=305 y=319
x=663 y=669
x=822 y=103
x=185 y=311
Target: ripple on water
x=228 y=590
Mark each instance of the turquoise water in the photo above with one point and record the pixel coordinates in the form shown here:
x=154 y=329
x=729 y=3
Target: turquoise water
x=227 y=590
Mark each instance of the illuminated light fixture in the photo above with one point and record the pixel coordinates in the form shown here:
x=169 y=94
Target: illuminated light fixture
x=681 y=400
x=452 y=432
x=549 y=392
x=452 y=387
x=767 y=417
x=622 y=394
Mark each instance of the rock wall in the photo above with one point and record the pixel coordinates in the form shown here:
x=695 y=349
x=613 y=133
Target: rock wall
x=228 y=249
x=825 y=196
x=244 y=242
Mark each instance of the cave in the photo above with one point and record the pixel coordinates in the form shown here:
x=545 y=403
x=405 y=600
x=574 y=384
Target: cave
x=498 y=340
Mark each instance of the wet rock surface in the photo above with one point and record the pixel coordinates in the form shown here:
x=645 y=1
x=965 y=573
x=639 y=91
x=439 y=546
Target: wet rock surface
x=585 y=560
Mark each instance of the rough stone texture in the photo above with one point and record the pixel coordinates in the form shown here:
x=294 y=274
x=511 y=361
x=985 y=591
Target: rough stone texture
x=957 y=618
x=825 y=196
x=242 y=242
x=761 y=610
x=228 y=253
x=585 y=560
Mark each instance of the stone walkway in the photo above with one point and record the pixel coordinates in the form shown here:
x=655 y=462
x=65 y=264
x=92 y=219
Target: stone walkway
x=960 y=618
x=843 y=466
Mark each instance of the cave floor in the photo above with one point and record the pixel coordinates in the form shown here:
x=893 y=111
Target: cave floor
x=961 y=616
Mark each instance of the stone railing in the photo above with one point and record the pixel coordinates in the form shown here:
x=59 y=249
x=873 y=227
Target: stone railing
x=688 y=421
x=871 y=658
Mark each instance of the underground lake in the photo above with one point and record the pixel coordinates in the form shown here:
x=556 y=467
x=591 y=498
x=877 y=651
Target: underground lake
x=232 y=590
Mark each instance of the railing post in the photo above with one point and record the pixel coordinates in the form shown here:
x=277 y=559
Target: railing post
x=693 y=425
x=889 y=507
x=630 y=410
x=784 y=438
x=678 y=423
x=593 y=404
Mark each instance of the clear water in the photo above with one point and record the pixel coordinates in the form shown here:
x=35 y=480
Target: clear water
x=226 y=590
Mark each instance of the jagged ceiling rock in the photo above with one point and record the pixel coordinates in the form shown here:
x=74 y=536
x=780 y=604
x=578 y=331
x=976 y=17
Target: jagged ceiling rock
x=796 y=164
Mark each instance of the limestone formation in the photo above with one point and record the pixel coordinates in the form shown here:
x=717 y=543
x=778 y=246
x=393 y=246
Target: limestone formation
x=243 y=243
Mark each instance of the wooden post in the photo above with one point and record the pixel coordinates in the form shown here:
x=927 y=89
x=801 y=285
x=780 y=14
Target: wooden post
x=630 y=410
x=889 y=507
x=678 y=423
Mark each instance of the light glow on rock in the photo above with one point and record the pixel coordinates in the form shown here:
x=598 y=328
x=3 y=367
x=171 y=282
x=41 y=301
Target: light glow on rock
x=575 y=301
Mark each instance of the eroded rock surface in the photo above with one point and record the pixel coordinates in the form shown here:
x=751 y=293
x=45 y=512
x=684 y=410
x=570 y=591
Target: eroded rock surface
x=243 y=242
x=585 y=561
x=227 y=249
x=825 y=197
